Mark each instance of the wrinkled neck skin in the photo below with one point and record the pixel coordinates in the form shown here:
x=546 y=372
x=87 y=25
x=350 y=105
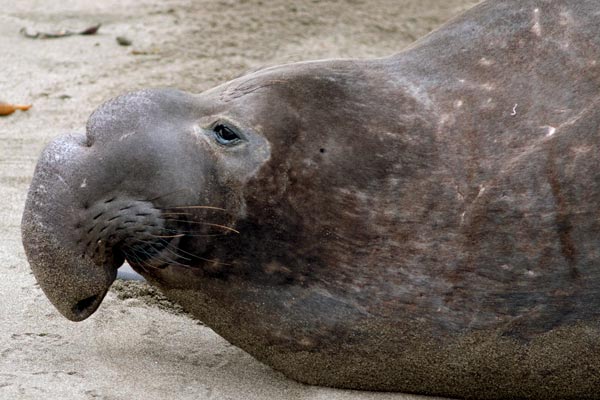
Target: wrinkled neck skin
x=381 y=220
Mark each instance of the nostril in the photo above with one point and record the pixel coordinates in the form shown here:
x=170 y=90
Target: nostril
x=83 y=305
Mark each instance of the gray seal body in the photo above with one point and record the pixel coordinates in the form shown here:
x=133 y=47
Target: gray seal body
x=426 y=222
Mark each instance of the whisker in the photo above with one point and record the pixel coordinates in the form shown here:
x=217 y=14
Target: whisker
x=169 y=236
x=150 y=256
x=198 y=257
x=190 y=234
x=206 y=223
x=167 y=194
x=127 y=255
x=167 y=247
x=167 y=259
x=175 y=213
x=177 y=255
x=204 y=235
x=141 y=263
x=199 y=207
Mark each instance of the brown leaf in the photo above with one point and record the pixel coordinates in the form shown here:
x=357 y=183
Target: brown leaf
x=92 y=30
x=7 y=108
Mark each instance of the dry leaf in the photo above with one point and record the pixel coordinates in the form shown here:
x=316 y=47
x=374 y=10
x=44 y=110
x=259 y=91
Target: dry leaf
x=92 y=30
x=7 y=108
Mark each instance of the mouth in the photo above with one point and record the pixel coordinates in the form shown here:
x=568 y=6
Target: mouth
x=77 y=278
x=156 y=254
x=75 y=252
x=182 y=242
x=88 y=210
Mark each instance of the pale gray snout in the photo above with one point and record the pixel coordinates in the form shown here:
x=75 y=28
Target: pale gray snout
x=72 y=281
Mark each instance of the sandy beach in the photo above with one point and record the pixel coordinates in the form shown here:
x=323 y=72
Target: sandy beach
x=138 y=345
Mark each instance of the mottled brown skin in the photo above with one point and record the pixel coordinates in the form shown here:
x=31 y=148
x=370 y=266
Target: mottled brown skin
x=426 y=222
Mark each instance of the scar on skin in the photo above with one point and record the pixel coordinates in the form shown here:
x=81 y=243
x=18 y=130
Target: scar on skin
x=536 y=28
x=125 y=136
x=481 y=191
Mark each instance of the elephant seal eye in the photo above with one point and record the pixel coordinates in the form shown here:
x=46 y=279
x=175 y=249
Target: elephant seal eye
x=226 y=135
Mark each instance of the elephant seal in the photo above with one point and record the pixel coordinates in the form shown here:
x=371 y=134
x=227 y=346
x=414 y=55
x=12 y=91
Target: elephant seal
x=426 y=222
